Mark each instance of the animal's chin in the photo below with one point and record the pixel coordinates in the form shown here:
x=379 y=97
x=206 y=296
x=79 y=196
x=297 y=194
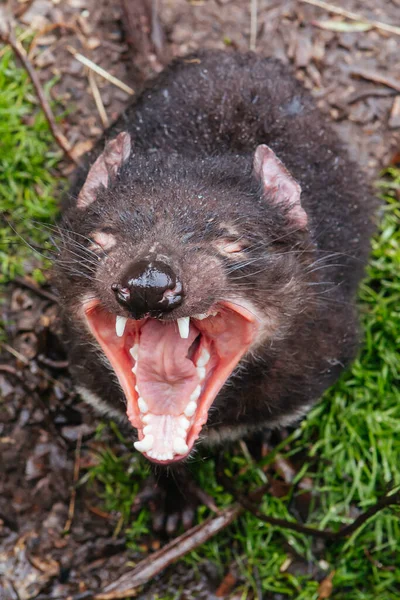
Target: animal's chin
x=171 y=375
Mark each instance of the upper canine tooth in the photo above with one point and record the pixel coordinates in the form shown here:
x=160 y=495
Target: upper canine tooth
x=203 y=358
x=183 y=326
x=120 y=323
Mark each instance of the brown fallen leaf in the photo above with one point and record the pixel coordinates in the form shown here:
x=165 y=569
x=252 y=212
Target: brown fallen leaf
x=226 y=585
x=326 y=587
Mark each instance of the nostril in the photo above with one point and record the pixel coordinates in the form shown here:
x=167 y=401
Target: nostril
x=174 y=295
x=122 y=294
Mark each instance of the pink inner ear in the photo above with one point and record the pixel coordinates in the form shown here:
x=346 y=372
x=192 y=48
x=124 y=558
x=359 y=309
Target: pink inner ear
x=278 y=183
x=115 y=153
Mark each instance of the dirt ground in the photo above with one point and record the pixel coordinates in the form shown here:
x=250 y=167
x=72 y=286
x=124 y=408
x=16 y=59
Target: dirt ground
x=355 y=77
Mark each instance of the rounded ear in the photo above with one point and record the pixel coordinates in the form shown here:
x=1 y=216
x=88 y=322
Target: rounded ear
x=115 y=153
x=279 y=186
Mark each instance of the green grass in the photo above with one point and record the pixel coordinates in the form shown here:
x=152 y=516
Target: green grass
x=27 y=159
x=349 y=445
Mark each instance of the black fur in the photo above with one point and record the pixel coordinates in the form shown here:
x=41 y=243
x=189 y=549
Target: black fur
x=188 y=181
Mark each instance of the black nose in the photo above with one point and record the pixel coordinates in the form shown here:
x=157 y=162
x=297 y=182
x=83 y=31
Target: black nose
x=148 y=288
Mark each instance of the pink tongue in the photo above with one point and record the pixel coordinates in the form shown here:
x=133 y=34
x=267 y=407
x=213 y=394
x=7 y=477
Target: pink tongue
x=165 y=377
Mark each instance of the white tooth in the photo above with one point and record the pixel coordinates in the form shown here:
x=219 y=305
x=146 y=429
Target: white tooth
x=120 y=323
x=201 y=372
x=134 y=369
x=200 y=316
x=136 y=388
x=145 y=444
x=203 y=358
x=183 y=422
x=146 y=418
x=183 y=326
x=134 y=351
x=195 y=394
x=142 y=405
x=180 y=446
x=190 y=409
x=181 y=432
x=147 y=429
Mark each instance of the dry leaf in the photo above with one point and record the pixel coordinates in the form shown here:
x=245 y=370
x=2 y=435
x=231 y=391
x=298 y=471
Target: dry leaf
x=326 y=587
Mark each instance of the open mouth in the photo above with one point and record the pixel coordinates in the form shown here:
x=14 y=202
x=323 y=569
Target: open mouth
x=171 y=371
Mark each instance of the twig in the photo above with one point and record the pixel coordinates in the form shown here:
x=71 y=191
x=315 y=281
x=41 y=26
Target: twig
x=8 y=37
x=97 y=98
x=353 y=16
x=100 y=71
x=174 y=550
x=377 y=77
x=10 y=369
x=253 y=24
x=77 y=466
x=27 y=362
x=53 y=364
x=34 y=288
x=248 y=504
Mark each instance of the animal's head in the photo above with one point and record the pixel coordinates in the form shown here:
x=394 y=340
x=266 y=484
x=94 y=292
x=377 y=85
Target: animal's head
x=178 y=267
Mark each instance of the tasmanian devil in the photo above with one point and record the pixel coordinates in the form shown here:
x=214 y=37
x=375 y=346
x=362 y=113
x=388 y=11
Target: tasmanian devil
x=210 y=257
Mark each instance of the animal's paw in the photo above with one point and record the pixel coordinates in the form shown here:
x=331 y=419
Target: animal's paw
x=173 y=499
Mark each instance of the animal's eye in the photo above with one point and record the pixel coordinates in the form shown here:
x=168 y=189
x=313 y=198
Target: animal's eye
x=102 y=239
x=227 y=246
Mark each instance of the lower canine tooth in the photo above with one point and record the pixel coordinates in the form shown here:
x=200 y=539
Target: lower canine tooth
x=142 y=405
x=120 y=323
x=180 y=446
x=190 y=409
x=145 y=444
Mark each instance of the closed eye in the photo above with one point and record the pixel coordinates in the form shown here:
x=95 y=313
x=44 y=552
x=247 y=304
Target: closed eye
x=102 y=240
x=227 y=246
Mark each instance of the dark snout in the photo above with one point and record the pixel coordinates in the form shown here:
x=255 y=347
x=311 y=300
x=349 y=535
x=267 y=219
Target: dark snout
x=148 y=288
